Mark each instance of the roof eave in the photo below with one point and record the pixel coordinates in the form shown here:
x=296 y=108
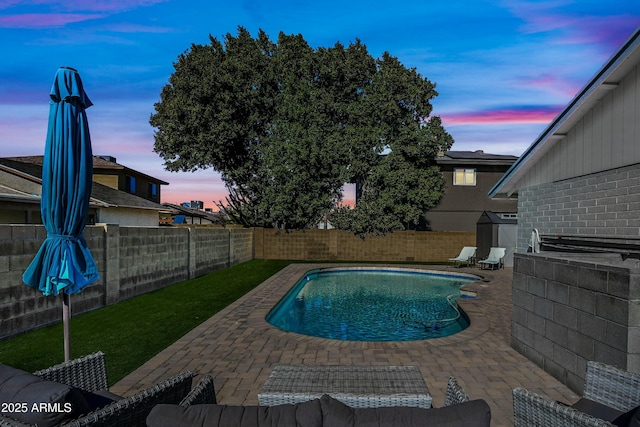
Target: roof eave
x=603 y=82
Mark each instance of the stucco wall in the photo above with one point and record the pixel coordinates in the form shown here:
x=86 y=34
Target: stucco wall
x=128 y=217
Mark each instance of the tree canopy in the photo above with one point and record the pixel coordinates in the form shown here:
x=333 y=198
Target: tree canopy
x=287 y=125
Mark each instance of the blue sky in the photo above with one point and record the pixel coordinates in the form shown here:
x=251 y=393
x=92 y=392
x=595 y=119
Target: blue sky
x=503 y=69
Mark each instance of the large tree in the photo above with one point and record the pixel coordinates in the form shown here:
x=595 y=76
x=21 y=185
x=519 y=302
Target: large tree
x=286 y=125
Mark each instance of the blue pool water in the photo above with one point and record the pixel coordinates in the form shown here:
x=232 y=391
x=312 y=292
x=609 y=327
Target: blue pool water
x=373 y=305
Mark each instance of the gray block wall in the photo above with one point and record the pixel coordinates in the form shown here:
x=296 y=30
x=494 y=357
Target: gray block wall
x=604 y=204
x=571 y=308
x=219 y=248
x=131 y=261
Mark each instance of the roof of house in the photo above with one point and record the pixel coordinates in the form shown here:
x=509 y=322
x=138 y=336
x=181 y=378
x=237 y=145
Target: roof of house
x=101 y=195
x=605 y=80
x=99 y=162
x=489 y=217
x=475 y=157
x=197 y=213
x=8 y=194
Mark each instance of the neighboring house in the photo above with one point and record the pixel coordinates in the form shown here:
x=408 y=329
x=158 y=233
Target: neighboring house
x=469 y=175
x=20 y=189
x=107 y=172
x=580 y=179
x=185 y=215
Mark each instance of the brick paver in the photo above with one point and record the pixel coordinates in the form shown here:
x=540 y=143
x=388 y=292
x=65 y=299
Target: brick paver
x=239 y=349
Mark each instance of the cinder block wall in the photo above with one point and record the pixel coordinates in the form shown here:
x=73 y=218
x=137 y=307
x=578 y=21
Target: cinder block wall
x=320 y=245
x=151 y=258
x=571 y=308
x=218 y=248
x=604 y=204
x=22 y=307
x=131 y=261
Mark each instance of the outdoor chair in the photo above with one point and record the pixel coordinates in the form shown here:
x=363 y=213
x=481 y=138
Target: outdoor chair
x=84 y=383
x=610 y=395
x=202 y=393
x=465 y=257
x=455 y=393
x=494 y=260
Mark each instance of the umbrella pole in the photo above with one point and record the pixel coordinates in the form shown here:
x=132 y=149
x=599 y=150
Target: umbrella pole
x=66 y=320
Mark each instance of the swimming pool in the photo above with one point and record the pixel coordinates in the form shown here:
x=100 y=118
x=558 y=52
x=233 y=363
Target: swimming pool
x=381 y=304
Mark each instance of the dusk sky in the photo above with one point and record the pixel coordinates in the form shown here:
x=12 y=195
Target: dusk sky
x=503 y=69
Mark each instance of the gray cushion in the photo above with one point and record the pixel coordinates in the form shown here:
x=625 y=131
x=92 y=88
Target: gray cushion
x=99 y=399
x=307 y=414
x=628 y=419
x=337 y=414
x=41 y=402
x=597 y=410
x=323 y=412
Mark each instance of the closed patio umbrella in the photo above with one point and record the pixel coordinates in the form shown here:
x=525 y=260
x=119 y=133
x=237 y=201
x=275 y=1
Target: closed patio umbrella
x=64 y=263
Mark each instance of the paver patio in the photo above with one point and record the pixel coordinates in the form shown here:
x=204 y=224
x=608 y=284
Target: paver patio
x=239 y=349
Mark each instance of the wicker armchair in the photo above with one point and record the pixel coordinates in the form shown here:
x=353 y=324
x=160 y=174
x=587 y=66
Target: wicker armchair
x=89 y=373
x=455 y=393
x=133 y=410
x=604 y=384
x=202 y=393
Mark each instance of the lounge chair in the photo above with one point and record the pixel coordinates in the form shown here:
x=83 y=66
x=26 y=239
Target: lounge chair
x=494 y=260
x=609 y=393
x=83 y=382
x=466 y=256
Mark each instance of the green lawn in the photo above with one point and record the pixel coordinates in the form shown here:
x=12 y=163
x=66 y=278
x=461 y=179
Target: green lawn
x=133 y=331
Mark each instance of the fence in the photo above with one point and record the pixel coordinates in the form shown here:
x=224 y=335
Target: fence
x=136 y=260
x=131 y=261
x=336 y=245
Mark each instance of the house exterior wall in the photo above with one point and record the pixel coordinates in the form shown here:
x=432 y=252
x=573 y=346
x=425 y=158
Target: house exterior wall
x=20 y=213
x=603 y=204
x=461 y=205
x=605 y=138
x=128 y=217
x=105 y=179
x=116 y=178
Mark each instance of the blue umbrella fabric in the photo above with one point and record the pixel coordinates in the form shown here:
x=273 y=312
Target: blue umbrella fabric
x=64 y=263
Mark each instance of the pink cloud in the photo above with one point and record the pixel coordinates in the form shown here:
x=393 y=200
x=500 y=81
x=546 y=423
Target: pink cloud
x=574 y=28
x=549 y=83
x=107 y=5
x=42 y=20
x=609 y=32
x=503 y=116
x=63 y=12
x=74 y=5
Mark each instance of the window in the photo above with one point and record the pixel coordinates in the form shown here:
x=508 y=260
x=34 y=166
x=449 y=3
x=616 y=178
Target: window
x=464 y=177
x=130 y=184
x=153 y=190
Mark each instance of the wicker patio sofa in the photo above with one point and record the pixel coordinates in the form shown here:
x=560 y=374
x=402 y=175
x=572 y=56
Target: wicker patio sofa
x=458 y=410
x=610 y=395
x=80 y=383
